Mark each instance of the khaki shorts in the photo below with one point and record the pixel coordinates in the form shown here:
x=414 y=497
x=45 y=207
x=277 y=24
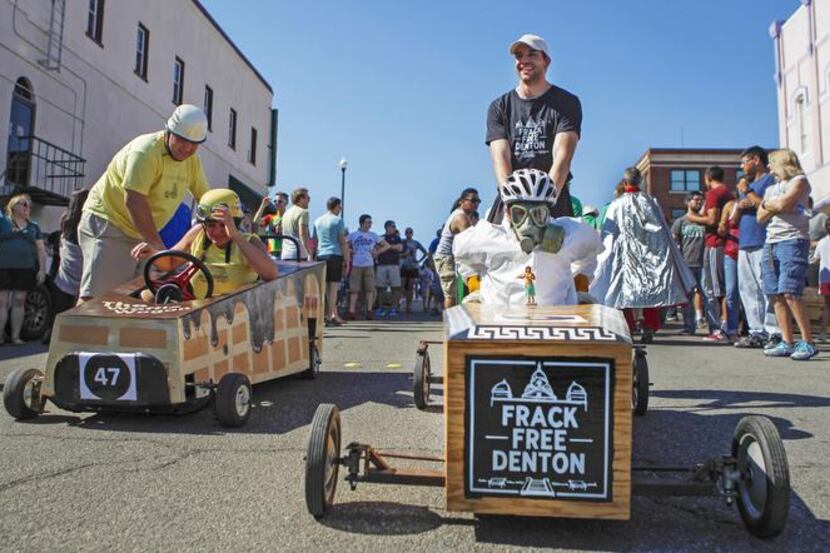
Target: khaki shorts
x=445 y=267
x=388 y=275
x=107 y=259
x=362 y=279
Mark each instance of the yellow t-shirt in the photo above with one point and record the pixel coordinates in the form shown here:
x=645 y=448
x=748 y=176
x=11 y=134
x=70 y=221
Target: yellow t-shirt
x=227 y=276
x=145 y=166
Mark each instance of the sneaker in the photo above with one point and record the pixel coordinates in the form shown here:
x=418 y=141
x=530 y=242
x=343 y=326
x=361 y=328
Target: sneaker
x=688 y=332
x=751 y=341
x=717 y=337
x=393 y=312
x=701 y=324
x=380 y=312
x=369 y=316
x=782 y=349
x=803 y=351
x=772 y=342
x=350 y=316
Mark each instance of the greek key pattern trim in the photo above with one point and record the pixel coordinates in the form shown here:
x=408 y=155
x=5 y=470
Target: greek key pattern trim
x=583 y=334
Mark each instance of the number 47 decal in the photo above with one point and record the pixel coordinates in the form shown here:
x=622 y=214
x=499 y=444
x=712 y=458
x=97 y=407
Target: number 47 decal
x=101 y=375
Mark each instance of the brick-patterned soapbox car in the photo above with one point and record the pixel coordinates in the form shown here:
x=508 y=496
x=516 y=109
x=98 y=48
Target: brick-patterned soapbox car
x=176 y=354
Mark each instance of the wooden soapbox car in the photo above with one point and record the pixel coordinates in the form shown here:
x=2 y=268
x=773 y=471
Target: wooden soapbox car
x=177 y=354
x=538 y=409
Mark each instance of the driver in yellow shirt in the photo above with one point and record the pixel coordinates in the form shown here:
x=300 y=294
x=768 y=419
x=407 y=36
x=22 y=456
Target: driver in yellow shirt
x=234 y=258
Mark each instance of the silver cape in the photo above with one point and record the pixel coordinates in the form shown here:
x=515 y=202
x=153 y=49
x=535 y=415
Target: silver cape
x=641 y=265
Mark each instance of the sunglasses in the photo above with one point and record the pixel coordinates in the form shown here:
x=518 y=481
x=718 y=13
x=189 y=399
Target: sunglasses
x=474 y=200
x=539 y=214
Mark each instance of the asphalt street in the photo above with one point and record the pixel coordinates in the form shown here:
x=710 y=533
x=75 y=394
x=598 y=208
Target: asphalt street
x=136 y=483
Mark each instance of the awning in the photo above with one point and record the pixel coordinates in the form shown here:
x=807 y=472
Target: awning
x=250 y=198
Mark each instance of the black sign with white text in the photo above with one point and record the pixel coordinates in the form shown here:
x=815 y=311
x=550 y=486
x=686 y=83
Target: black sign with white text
x=539 y=428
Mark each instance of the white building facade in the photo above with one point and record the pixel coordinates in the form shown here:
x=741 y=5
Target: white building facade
x=802 y=75
x=81 y=78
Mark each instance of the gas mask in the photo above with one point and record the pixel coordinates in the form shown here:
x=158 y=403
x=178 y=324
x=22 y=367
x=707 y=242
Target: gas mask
x=530 y=223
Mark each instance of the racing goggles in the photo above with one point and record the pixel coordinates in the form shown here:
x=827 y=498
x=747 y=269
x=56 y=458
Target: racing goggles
x=203 y=212
x=539 y=214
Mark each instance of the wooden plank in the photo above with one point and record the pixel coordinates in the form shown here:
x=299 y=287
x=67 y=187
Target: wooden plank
x=455 y=405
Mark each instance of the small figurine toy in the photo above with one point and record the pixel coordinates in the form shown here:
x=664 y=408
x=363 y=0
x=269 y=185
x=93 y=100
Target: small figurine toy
x=530 y=288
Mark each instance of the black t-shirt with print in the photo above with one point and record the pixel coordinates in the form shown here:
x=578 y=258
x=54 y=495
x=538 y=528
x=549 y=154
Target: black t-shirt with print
x=390 y=257
x=531 y=125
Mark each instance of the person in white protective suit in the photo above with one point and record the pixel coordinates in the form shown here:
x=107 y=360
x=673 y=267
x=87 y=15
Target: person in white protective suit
x=556 y=250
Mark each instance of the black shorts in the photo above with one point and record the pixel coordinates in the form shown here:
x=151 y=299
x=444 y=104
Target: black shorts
x=18 y=279
x=410 y=273
x=334 y=267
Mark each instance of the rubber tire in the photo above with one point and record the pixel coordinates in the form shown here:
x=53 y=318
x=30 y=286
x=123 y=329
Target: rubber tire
x=775 y=511
x=640 y=383
x=225 y=400
x=36 y=320
x=420 y=380
x=326 y=420
x=313 y=370
x=13 y=394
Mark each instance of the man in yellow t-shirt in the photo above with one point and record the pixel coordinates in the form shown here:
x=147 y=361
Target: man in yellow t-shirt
x=136 y=196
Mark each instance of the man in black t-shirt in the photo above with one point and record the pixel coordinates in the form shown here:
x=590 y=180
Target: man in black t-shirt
x=536 y=125
x=388 y=272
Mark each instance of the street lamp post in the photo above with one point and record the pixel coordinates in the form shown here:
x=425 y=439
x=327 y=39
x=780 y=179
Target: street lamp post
x=343 y=165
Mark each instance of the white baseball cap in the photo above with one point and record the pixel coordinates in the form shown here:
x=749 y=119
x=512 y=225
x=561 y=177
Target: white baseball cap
x=534 y=41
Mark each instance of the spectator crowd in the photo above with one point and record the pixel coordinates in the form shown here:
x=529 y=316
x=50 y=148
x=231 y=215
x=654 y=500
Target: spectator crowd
x=735 y=264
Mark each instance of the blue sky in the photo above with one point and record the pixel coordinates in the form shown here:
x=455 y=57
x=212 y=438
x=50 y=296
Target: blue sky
x=401 y=89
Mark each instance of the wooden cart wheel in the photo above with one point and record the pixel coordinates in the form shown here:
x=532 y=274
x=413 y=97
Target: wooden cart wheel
x=322 y=460
x=639 y=392
x=20 y=394
x=764 y=487
x=233 y=400
x=420 y=380
x=314 y=362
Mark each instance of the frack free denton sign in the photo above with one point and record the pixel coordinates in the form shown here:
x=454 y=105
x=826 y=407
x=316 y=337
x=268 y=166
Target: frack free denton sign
x=539 y=428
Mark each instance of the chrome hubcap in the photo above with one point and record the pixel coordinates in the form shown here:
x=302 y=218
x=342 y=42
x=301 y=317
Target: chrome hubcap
x=243 y=400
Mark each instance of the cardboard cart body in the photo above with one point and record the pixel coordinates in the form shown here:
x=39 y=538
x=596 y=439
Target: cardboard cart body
x=538 y=422
x=120 y=353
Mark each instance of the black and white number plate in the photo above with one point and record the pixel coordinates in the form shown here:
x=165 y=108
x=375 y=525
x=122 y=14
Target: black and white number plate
x=107 y=377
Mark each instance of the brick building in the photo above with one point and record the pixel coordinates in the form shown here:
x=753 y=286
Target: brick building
x=670 y=173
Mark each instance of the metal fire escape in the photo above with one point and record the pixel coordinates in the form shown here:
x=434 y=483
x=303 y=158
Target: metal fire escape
x=54 y=47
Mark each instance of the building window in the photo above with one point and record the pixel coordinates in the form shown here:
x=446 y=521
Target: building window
x=142 y=51
x=252 y=152
x=677 y=214
x=685 y=180
x=801 y=115
x=178 y=81
x=209 y=106
x=232 y=129
x=95 y=21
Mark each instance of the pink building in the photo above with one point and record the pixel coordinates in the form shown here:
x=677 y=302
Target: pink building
x=802 y=74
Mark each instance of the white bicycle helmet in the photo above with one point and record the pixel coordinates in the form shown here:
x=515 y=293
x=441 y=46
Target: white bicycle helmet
x=528 y=185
